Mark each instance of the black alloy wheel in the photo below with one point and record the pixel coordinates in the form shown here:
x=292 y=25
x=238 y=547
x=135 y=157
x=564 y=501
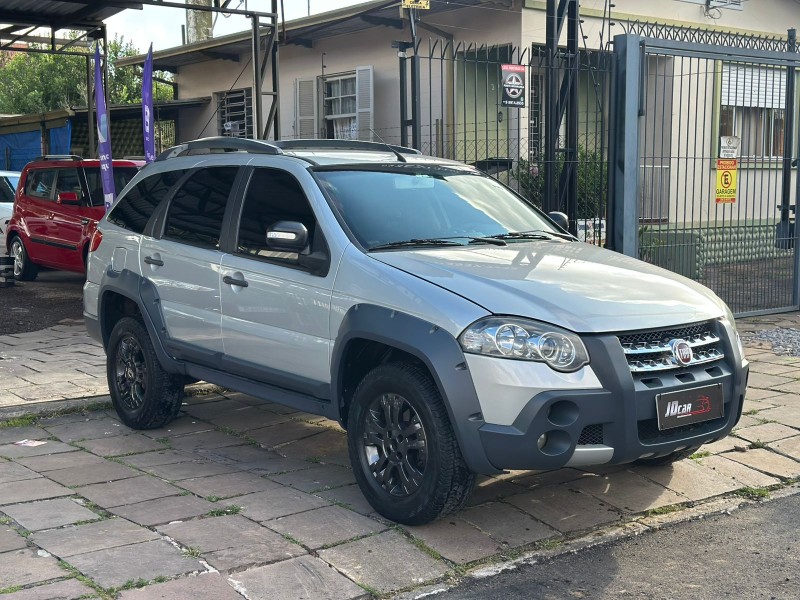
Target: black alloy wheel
x=131 y=373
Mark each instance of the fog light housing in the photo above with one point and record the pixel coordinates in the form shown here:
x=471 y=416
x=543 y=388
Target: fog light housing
x=541 y=441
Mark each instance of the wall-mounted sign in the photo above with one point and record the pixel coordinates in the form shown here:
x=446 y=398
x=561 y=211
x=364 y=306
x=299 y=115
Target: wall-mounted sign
x=421 y=4
x=513 y=85
x=729 y=146
x=726 y=180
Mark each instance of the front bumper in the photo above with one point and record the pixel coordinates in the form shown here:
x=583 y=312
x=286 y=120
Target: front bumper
x=616 y=423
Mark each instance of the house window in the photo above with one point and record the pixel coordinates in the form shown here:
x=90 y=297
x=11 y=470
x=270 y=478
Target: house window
x=335 y=106
x=339 y=107
x=235 y=113
x=752 y=108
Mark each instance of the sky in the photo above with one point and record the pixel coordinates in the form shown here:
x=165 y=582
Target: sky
x=162 y=26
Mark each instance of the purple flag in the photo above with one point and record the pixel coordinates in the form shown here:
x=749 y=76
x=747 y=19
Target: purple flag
x=147 y=108
x=103 y=134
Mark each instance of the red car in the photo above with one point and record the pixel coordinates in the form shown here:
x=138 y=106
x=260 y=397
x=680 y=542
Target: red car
x=58 y=202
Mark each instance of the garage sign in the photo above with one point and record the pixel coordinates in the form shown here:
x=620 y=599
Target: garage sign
x=726 y=180
x=421 y=4
x=513 y=85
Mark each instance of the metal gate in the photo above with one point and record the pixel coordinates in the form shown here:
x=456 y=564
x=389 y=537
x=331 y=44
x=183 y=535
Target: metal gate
x=702 y=144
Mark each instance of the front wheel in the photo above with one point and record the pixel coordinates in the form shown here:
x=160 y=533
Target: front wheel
x=144 y=395
x=24 y=269
x=403 y=450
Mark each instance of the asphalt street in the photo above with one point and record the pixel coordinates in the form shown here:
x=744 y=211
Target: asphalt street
x=34 y=305
x=751 y=553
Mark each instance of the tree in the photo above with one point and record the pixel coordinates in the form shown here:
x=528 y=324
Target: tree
x=36 y=82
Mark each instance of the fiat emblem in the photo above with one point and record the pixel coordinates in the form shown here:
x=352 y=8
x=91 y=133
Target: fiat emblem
x=682 y=351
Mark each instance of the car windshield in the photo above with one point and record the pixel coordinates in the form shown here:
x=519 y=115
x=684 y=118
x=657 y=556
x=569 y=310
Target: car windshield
x=122 y=175
x=411 y=204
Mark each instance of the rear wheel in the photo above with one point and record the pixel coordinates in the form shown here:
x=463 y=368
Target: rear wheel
x=144 y=395
x=668 y=459
x=404 y=452
x=24 y=269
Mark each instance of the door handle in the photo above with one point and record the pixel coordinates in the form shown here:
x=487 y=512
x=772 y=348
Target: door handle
x=231 y=281
x=154 y=261
x=85 y=221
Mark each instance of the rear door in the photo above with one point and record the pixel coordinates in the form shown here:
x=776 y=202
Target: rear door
x=35 y=211
x=183 y=262
x=275 y=314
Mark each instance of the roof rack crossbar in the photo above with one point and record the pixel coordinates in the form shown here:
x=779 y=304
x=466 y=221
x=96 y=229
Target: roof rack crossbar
x=59 y=157
x=311 y=144
x=228 y=144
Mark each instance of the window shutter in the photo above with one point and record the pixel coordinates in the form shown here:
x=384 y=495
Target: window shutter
x=753 y=86
x=364 y=103
x=305 y=108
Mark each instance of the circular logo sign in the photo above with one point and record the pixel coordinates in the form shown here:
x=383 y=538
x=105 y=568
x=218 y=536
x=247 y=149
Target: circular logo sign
x=682 y=351
x=514 y=85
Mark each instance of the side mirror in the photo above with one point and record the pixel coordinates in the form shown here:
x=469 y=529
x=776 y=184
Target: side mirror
x=68 y=198
x=559 y=219
x=287 y=236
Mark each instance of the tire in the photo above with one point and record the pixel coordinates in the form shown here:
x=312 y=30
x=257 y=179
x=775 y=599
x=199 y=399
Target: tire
x=144 y=395
x=24 y=269
x=398 y=407
x=668 y=459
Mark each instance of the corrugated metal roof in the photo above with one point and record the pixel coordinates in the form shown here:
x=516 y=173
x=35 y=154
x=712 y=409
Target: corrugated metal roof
x=75 y=14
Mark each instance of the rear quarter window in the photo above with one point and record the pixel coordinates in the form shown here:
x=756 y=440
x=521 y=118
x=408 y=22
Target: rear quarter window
x=134 y=210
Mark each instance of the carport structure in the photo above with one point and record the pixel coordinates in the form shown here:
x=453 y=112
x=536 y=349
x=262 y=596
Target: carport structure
x=25 y=21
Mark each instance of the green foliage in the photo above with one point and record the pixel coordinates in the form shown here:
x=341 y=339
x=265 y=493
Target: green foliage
x=35 y=82
x=24 y=421
x=753 y=493
x=592 y=182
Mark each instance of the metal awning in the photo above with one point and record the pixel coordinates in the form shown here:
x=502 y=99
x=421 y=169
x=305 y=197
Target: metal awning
x=57 y=14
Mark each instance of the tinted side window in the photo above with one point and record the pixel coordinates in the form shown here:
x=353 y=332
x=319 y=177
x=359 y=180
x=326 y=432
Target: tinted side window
x=272 y=196
x=133 y=210
x=40 y=183
x=6 y=189
x=122 y=175
x=197 y=209
x=68 y=180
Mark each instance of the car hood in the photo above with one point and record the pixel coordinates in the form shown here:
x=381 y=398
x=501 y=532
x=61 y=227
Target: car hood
x=575 y=285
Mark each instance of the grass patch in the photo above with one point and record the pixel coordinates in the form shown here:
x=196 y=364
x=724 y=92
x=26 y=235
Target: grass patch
x=426 y=549
x=291 y=539
x=84 y=580
x=192 y=552
x=752 y=493
x=370 y=590
x=549 y=544
x=757 y=444
x=24 y=421
x=184 y=493
x=5 y=521
x=213 y=498
x=11 y=589
x=165 y=441
x=133 y=584
x=750 y=412
x=699 y=455
x=662 y=510
x=314 y=459
x=233 y=509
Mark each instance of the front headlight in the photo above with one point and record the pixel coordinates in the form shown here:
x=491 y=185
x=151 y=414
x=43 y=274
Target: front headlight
x=524 y=339
x=729 y=317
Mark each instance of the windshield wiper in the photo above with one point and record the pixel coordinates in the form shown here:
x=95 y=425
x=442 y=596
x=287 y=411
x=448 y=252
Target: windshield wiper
x=445 y=241
x=534 y=234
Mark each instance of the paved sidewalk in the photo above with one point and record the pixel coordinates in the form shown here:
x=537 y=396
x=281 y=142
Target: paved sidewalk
x=242 y=498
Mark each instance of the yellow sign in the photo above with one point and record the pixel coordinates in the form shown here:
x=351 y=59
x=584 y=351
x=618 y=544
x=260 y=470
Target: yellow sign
x=423 y=4
x=726 y=180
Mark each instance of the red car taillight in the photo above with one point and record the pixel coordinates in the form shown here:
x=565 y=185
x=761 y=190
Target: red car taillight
x=97 y=237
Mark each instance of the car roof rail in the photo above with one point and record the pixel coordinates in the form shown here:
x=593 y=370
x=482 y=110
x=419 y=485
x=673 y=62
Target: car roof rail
x=58 y=157
x=312 y=144
x=224 y=143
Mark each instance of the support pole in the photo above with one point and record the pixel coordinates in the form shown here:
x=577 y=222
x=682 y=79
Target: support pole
x=106 y=86
x=624 y=145
x=257 y=104
x=90 y=107
x=416 y=137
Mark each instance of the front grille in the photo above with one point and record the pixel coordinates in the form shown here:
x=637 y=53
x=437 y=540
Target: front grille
x=591 y=434
x=649 y=431
x=650 y=352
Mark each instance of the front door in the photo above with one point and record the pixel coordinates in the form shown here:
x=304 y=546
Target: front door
x=71 y=223
x=183 y=264
x=275 y=314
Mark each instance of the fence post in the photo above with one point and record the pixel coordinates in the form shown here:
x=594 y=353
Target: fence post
x=624 y=145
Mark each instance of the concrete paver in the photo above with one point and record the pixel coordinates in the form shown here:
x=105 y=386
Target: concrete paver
x=304 y=577
x=204 y=585
x=317 y=478
x=10 y=540
x=69 y=589
x=11 y=471
x=90 y=537
x=228 y=485
x=766 y=432
x=325 y=526
x=65 y=460
x=31 y=489
x=49 y=447
x=26 y=566
x=628 y=491
x=89 y=429
x=9 y=435
x=507 y=525
x=263 y=506
x=789 y=446
x=114 y=567
x=189 y=470
x=386 y=562
x=120 y=444
x=564 y=508
x=456 y=540
x=164 y=510
x=690 y=479
x=745 y=476
x=45 y=514
x=768 y=462
x=85 y=475
x=127 y=491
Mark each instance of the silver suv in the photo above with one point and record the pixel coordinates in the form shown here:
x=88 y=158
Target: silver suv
x=450 y=327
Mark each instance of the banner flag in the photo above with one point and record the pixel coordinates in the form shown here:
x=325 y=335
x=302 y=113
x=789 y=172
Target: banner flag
x=147 y=108
x=103 y=134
